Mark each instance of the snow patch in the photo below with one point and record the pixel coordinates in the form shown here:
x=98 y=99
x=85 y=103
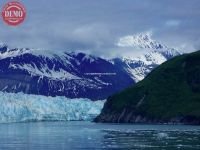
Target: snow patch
x=141 y=40
x=153 y=57
x=45 y=71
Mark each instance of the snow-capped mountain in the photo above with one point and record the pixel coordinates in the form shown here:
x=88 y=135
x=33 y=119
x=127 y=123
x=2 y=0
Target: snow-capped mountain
x=141 y=40
x=156 y=54
x=50 y=73
x=75 y=74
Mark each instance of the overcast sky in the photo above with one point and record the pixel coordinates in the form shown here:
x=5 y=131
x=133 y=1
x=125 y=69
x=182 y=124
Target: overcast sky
x=96 y=25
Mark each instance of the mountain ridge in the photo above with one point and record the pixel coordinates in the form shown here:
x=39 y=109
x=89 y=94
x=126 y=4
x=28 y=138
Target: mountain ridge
x=73 y=74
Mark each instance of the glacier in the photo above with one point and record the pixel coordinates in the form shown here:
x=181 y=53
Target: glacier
x=19 y=107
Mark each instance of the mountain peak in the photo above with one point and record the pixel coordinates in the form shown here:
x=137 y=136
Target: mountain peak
x=84 y=56
x=141 y=40
x=2 y=44
x=154 y=55
x=3 y=47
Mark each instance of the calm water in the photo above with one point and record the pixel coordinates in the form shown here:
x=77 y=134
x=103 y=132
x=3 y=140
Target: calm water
x=86 y=135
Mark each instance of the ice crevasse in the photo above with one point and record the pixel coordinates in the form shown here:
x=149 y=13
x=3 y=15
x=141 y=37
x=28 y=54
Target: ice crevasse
x=19 y=107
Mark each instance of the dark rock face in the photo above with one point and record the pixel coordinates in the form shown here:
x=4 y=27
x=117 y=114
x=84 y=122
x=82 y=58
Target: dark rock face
x=169 y=94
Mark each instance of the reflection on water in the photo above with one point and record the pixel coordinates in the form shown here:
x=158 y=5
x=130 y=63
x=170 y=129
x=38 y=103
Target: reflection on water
x=86 y=135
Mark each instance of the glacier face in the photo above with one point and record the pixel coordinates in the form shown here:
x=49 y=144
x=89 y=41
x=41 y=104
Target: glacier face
x=23 y=107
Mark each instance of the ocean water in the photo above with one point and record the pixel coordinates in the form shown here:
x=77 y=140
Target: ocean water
x=90 y=136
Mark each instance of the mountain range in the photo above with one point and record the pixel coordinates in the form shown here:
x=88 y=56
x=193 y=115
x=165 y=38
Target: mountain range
x=76 y=74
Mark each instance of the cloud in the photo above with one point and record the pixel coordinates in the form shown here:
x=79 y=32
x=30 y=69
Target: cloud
x=95 y=26
x=197 y=44
x=172 y=23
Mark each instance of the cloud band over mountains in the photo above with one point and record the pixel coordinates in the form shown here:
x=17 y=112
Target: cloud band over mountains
x=96 y=26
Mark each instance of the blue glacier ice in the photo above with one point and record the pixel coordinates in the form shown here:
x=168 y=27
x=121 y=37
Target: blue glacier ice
x=19 y=107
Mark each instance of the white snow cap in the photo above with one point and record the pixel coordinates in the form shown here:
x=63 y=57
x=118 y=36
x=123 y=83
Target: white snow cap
x=2 y=45
x=141 y=40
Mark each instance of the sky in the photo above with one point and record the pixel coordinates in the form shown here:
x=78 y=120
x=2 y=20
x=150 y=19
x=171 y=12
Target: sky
x=94 y=26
